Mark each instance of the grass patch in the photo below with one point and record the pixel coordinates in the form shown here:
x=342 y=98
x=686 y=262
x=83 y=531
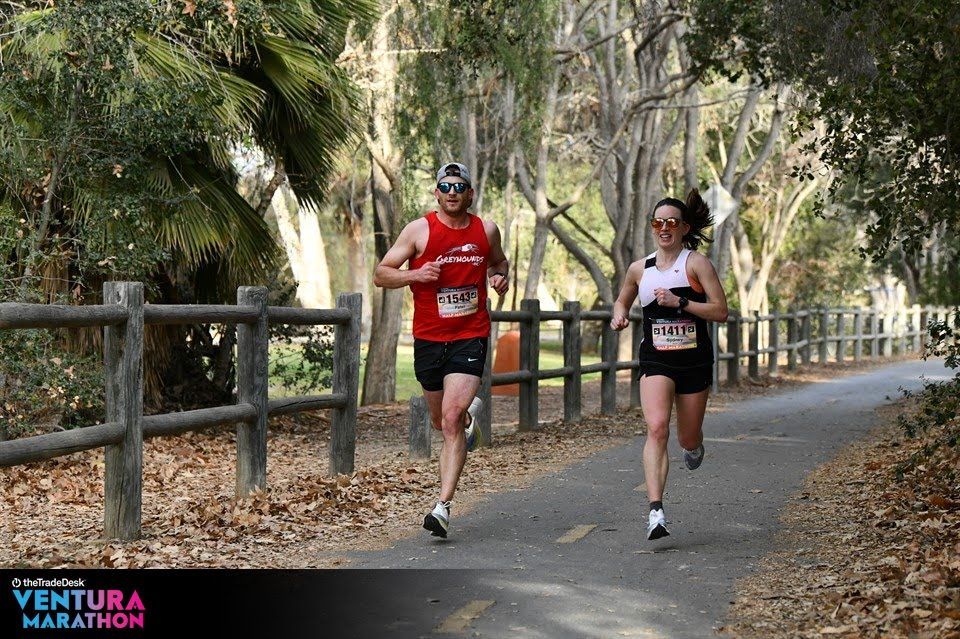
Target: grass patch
x=407 y=386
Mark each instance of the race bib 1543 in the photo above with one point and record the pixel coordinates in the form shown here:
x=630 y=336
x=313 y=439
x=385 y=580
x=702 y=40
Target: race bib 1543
x=457 y=301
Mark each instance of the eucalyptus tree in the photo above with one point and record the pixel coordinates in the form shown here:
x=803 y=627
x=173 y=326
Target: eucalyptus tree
x=755 y=134
x=623 y=81
x=884 y=78
x=765 y=198
x=435 y=77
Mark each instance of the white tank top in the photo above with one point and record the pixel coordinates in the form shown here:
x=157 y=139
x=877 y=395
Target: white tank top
x=653 y=278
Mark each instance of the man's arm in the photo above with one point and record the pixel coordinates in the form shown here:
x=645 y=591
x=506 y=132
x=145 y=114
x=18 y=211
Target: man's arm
x=388 y=273
x=498 y=269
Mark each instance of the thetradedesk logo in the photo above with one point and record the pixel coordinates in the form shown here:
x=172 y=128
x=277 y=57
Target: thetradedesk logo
x=64 y=604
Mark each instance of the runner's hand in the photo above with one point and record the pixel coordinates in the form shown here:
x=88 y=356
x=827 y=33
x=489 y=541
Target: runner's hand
x=666 y=298
x=619 y=322
x=429 y=272
x=499 y=283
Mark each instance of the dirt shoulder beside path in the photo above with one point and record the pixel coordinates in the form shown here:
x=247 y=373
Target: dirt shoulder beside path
x=52 y=511
x=863 y=553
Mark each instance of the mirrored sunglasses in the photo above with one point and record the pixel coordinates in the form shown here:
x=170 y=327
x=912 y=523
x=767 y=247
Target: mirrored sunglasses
x=458 y=187
x=659 y=223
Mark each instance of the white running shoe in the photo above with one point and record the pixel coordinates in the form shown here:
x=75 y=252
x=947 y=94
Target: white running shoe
x=657 y=527
x=438 y=521
x=472 y=432
x=693 y=458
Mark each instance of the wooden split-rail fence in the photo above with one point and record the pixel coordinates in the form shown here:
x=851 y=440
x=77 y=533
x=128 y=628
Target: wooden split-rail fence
x=124 y=314
x=839 y=334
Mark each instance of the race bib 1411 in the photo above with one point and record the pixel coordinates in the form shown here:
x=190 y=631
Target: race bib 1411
x=673 y=335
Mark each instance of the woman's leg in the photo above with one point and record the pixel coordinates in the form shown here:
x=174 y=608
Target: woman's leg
x=691 y=408
x=656 y=399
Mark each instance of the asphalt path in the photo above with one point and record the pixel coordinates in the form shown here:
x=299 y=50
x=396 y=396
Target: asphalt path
x=568 y=557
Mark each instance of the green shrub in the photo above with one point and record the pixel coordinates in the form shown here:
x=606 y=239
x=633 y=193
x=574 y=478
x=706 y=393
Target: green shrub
x=43 y=387
x=305 y=364
x=938 y=403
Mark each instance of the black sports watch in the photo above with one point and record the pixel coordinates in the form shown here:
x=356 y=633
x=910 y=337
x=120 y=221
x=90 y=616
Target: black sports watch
x=682 y=304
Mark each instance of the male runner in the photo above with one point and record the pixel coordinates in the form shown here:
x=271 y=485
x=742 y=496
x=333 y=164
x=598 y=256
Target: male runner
x=452 y=255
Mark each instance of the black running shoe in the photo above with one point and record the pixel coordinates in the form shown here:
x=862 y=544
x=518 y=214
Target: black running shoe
x=438 y=520
x=657 y=527
x=693 y=458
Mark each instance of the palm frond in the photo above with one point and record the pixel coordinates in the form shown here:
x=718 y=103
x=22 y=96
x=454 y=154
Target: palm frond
x=214 y=222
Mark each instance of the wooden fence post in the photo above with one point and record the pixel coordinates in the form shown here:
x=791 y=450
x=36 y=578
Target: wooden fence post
x=530 y=361
x=858 y=335
x=824 y=335
x=841 y=336
x=924 y=320
x=753 y=360
x=346 y=380
x=792 y=341
x=485 y=414
x=806 y=330
x=773 y=365
x=915 y=327
x=886 y=327
x=715 y=338
x=572 y=384
x=123 y=373
x=420 y=428
x=253 y=347
x=902 y=323
x=733 y=346
x=608 y=377
x=635 y=339
x=874 y=333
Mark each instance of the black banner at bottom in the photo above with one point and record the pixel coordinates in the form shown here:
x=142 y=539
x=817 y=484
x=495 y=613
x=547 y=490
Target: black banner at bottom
x=272 y=603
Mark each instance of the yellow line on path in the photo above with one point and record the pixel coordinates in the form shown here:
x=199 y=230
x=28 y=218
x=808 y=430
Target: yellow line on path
x=460 y=619
x=576 y=533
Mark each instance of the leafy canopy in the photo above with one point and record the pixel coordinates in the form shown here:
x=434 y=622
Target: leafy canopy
x=884 y=78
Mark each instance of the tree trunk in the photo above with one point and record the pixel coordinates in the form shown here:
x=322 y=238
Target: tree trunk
x=305 y=249
x=690 y=136
x=537 y=255
x=468 y=153
x=359 y=277
x=380 y=386
x=380 y=375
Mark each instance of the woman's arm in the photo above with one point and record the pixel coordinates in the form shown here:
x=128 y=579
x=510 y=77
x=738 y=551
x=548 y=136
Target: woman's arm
x=628 y=293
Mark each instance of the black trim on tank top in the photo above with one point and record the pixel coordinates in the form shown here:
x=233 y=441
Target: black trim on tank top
x=651 y=261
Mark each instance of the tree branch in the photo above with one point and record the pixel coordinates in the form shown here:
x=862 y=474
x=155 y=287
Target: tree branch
x=563 y=55
x=590 y=238
x=739 y=137
x=279 y=176
x=596 y=273
x=670 y=19
x=776 y=124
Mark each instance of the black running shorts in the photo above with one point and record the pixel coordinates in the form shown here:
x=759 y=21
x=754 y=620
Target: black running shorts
x=690 y=380
x=432 y=361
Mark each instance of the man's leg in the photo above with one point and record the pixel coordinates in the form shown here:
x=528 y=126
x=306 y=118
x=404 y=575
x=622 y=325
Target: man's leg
x=656 y=398
x=459 y=390
x=434 y=401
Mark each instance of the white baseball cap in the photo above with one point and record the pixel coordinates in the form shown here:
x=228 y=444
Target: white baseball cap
x=453 y=169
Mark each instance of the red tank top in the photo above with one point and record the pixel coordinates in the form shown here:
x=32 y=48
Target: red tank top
x=455 y=306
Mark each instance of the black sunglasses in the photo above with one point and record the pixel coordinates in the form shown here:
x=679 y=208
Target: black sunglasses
x=459 y=187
